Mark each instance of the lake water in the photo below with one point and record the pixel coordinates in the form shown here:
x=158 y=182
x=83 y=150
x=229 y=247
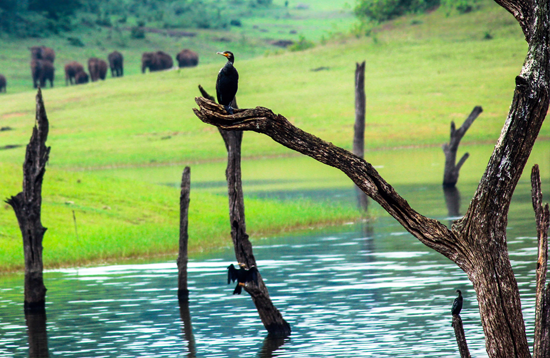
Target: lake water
x=366 y=289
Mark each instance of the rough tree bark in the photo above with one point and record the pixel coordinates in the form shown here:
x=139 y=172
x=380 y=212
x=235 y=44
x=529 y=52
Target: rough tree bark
x=27 y=207
x=452 y=169
x=272 y=319
x=541 y=345
x=183 y=291
x=460 y=337
x=359 y=127
x=477 y=242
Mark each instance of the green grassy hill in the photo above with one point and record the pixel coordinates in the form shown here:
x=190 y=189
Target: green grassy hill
x=421 y=72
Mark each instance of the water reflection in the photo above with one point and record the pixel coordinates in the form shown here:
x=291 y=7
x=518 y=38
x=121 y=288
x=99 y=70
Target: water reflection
x=187 y=328
x=38 y=336
x=363 y=290
x=452 y=200
x=270 y=346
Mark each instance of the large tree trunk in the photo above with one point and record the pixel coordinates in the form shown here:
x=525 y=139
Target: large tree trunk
x=27 y=206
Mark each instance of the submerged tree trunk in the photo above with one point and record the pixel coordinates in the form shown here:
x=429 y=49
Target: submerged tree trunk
x=272 y=319
x=27 y=206
x=541 y=345
x=452 y=169
x=183 y=291
x=359 y=127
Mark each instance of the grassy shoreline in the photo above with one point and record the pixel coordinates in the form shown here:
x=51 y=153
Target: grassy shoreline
x=118 y=218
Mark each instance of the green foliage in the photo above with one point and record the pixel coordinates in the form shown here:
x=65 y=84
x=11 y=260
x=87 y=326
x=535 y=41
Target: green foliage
x=75 y=41
x=462 y=6
x=383 y=10
x=301 y=45
x=137 y=32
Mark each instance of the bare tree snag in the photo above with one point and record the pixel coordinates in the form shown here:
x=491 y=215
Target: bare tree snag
x=27 y=207
x=450 y=177
x=359 y=127
x=271 y=317
x=38 y=335
x=183 y=291
x=542 y=318
x=460 y=337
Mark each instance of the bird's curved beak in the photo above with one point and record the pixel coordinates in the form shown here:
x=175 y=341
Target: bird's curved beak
x=222 y=53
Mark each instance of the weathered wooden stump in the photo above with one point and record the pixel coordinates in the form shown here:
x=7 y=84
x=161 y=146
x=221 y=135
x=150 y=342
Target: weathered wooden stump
x=460 y=337
x=27 y=206
x=183 y=291
x=541 y=344
x=359 y=127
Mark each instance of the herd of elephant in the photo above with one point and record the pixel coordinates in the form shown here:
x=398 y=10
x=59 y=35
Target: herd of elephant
x=43 y=70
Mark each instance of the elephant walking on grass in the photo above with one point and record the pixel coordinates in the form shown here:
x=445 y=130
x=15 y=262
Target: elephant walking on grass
x=71 y=69
x=42 y=71
x=3 y=83
x=116 y=63
x=187 y=58
x=97 y=69
x=156 y=61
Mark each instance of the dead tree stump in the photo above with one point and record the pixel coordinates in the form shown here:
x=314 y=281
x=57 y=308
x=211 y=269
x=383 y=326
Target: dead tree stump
x=359 y=127
x=27 y=206
x=183 y=291
x=460 y=337
x=452 y=169
x=541 y=344
x=271 y=318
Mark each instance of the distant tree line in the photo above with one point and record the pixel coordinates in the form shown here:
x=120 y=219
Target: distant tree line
x=383 y=10
x=40 y=18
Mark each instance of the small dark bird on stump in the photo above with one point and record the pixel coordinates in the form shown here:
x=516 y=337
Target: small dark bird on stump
x=227 y=83
x=457 y=304
x=242 y=276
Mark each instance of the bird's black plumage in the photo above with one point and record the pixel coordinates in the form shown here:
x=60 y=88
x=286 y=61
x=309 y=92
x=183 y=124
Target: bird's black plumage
x=457 y=304
x=242 y=276
x=228 y=82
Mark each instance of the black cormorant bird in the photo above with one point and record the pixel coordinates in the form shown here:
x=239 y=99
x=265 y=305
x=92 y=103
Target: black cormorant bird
x=457 y=304
x=242 y=276
x=227 y=83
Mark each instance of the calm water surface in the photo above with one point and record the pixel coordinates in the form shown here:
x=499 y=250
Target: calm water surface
x=366 y=289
